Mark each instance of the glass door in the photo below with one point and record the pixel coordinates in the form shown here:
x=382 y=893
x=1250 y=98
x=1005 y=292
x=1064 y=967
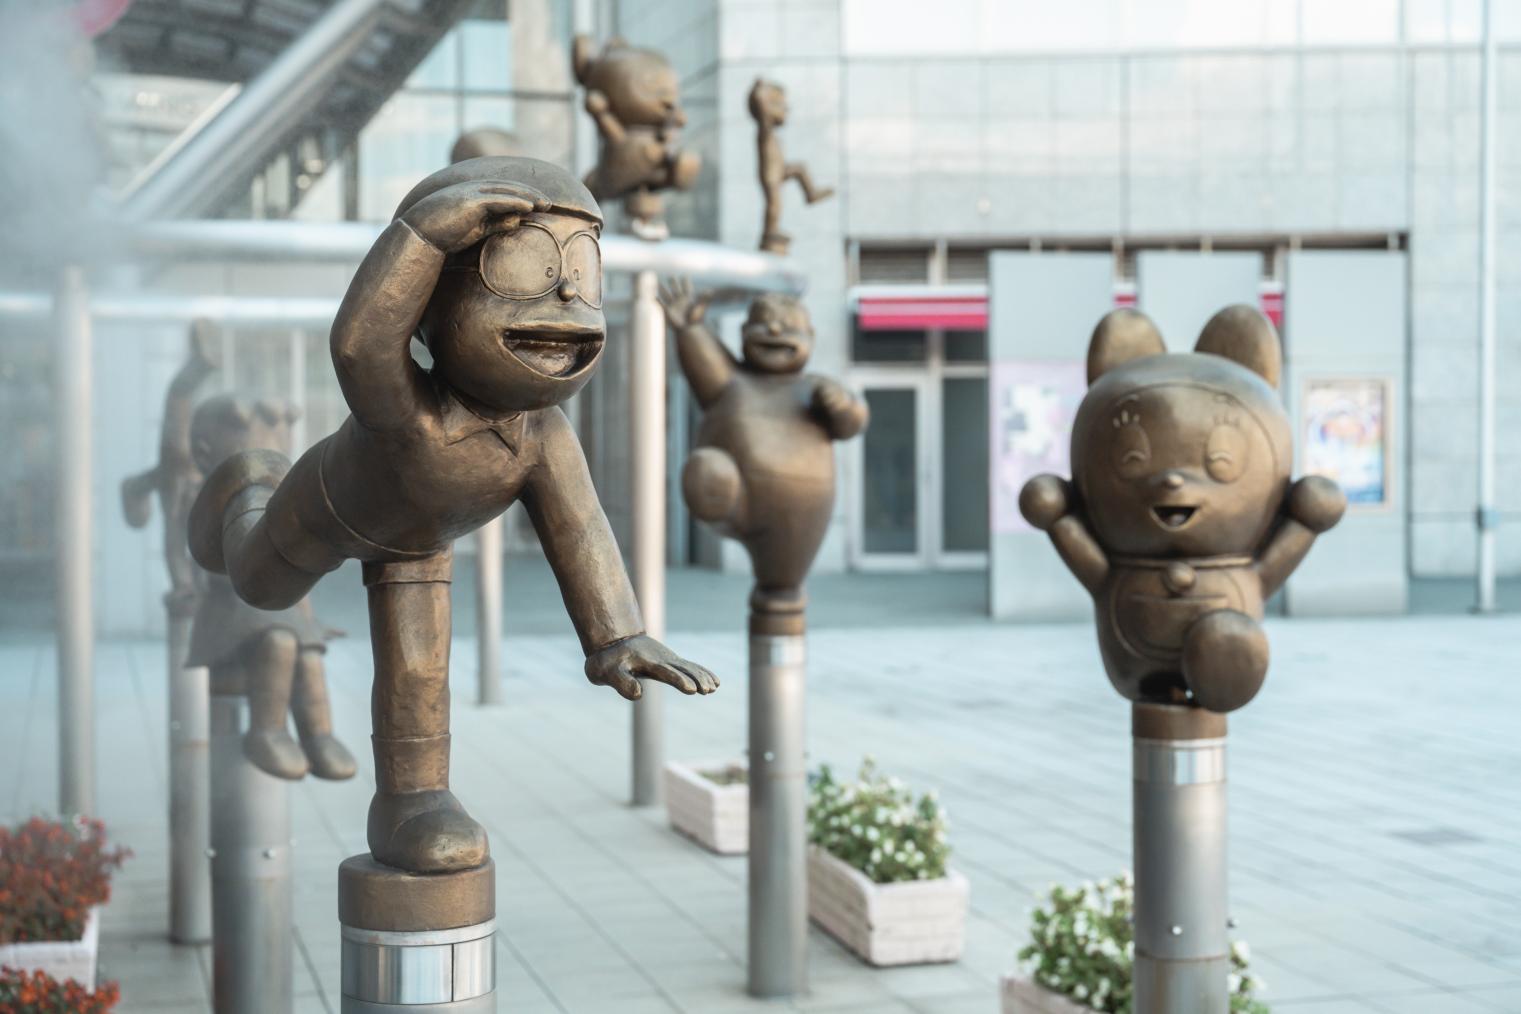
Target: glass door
x=889 y=515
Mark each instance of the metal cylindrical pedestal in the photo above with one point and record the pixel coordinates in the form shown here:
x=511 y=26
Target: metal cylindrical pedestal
x=74 y=538
x=778 y=857
x=250 y=873
x=189 y=792
x=415 y=943
x=1182 y=950
x=647 y=440
x=488 y=611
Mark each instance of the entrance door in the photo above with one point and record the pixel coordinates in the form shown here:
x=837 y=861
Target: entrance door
x=921 y=490
x=890 y=507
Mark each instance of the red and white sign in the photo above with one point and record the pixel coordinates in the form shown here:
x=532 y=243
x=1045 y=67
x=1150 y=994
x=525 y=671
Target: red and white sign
x=922 y=313
x=93 y=17
x=932 y=311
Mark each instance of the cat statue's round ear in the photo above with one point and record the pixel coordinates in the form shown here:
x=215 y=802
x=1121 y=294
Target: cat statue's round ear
x=1122 y=335
x=1244 y=335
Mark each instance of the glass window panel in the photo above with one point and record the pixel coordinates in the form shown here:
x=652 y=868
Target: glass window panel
x=440 y=68
x=890 y=508
x=966 y=346
x=543 y=127
x=485 y=56
x=1350 y=22
x=408 y=139
x=889 y=346
x=964 y=455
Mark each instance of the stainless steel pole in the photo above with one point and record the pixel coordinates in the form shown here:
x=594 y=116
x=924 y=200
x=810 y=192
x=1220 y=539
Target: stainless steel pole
x=189 y=791
x=647 y=434
x=778 y=923
x=72 y=381
x=252 y=942
x=1182 y=950
x=488 y=611
x=1486 y=516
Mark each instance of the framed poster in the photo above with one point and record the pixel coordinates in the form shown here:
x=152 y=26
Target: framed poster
x=1033 y=403
x=1344 y=436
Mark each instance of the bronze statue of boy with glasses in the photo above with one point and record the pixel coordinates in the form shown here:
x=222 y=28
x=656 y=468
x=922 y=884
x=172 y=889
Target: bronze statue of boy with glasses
x=494 y=263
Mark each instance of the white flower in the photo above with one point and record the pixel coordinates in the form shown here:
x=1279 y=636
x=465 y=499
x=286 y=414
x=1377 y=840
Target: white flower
x=1241 y=951
x=1232 y=982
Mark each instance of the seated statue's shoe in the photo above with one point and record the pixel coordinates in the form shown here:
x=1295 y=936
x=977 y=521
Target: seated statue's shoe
x=425 y=832
x=329 y=758
x=257 y=468
x=274 y=752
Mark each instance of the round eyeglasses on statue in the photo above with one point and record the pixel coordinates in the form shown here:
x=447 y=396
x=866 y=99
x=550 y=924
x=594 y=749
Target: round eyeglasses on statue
x=530 y=262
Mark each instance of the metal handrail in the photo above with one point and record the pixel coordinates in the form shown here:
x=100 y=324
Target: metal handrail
x=286 y=241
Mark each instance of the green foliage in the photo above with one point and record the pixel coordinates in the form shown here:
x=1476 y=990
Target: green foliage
x=876 y=825
x=733 y=774
x=1083 y=947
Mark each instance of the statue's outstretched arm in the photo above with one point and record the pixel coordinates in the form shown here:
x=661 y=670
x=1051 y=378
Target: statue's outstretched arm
x=563 y=506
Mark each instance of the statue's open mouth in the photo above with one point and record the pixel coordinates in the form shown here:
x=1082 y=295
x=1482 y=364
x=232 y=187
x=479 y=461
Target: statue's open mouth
x=1173 y=516
x=774 y=345
x=553 y=353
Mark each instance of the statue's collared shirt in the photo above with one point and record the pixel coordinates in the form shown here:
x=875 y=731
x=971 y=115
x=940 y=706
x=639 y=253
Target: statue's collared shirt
x=461 y=421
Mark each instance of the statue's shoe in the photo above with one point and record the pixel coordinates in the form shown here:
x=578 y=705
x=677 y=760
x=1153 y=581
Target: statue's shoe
x=274 y=752
x=246 y=469
x=425 y=832
x=685 y=169
x=329 y=758
x=1225 y=659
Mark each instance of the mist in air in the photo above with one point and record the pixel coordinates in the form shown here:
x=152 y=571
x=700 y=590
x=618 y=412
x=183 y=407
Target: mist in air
x=51 y=174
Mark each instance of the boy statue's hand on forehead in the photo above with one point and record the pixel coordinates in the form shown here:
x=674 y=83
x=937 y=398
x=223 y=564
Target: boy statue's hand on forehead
x=460 y=216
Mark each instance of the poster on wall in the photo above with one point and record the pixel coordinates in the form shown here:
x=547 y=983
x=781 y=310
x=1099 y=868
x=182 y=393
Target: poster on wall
x=1033 y=405
x=1345 y=436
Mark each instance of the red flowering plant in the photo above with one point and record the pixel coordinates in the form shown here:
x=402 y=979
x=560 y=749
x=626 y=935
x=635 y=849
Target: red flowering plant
x=37 y=992
x=51 y=875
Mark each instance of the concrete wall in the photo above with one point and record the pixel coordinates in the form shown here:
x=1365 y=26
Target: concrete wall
x=1042 y=308
x=1345 y=321
x=1312 y=142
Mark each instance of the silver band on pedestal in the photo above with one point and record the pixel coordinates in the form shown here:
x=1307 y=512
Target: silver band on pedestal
x=778 y=923
x=420 y=971
x=250 y=873
x=1182 y=949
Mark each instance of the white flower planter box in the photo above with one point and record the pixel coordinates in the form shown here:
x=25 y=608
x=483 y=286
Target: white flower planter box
x=910 y=923
x=716 y=816
x=1023 y=996
x=62 y=959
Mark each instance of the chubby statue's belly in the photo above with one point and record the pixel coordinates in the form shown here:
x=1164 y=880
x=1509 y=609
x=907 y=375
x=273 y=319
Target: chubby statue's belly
x=1151 y=607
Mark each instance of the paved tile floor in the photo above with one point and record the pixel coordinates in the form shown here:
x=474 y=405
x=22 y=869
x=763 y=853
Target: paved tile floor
x=1375 y=813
